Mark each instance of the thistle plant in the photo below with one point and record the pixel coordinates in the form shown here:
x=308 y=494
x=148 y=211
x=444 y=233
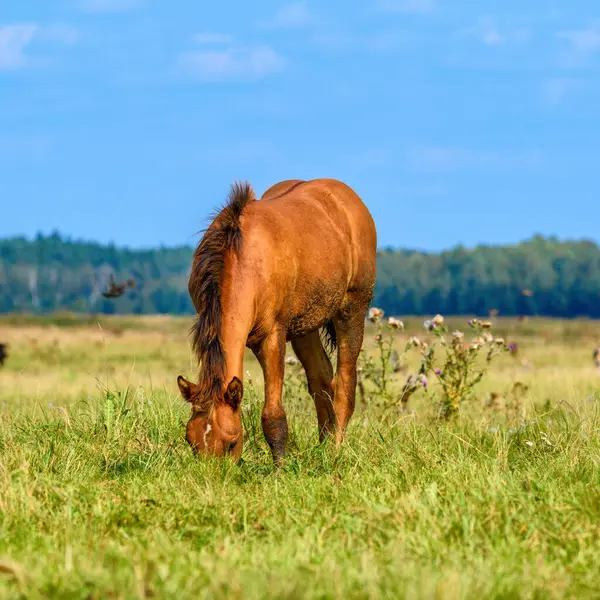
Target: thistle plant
x=378 y=369
x=460 y=370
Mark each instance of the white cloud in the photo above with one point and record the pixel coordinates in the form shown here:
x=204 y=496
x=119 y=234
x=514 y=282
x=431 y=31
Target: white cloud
x=107 y=6
x=485 y=31
x=408 y=6
x=556 y=89
x=583 y=40
x=292 y=15
x=13 y=41
x=491 y=37
x=488 y=32
x=583 y=43
x=232 y=63
x=213 y=38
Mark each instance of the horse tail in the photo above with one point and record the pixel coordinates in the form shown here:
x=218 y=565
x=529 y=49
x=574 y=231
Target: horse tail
x=329 y=337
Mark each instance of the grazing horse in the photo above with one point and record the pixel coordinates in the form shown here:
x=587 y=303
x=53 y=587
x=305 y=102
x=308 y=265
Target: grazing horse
x=296 y=264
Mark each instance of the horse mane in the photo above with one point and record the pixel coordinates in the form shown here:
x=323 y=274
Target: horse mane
x=222 y=235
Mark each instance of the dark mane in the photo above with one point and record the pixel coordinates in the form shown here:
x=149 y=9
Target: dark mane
x=223 y=234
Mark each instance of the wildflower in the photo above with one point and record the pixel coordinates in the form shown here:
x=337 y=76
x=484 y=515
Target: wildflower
x=438 y=319
x=291 y=360
x=499 y=341
x=529 y=443
x=486 y=324
x=488 y=337
x=493 y=430
x=395 y=323
x=473 y=322
x=422 y=379
x=415 y=341
x=544 y=437
x=512 y=347
x=475 y=346
x=458 y=335
x=378 y=337
x=438 y=372
x=375 y=314
x=428 y=324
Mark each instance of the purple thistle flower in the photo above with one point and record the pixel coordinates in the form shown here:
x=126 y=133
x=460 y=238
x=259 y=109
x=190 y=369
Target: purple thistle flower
x=438 y=372
x=425 y=384
x=512 y=347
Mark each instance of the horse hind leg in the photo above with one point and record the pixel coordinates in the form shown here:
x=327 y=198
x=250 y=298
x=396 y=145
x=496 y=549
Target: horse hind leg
x=319 y=374
x=350 y=329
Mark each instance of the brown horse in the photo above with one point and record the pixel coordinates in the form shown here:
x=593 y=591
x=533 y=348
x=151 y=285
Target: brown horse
x=297 y=263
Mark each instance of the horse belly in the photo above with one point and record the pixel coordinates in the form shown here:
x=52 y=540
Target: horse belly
x=313 y=308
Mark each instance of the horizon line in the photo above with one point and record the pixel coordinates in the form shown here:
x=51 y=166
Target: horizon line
x=69 y=238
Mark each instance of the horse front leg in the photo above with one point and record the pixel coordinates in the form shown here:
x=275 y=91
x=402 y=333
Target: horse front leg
x=271 y=356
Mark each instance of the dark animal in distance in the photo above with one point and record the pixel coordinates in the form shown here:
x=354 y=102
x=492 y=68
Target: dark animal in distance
x=118 y=289
x=297 y=265
x=3 y=354
x=596 y=355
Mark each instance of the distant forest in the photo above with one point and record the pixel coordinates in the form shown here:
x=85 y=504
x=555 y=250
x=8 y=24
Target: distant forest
x=541 y=276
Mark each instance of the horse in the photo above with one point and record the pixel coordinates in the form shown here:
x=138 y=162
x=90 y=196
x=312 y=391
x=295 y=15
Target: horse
x=298 y=265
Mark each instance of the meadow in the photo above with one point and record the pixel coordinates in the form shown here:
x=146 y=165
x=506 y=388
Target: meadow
x=100 y=496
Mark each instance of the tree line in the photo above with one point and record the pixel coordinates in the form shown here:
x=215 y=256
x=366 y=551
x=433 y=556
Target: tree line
x=541 y=276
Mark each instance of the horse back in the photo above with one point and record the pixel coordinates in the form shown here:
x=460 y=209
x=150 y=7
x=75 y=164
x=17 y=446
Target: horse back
x=309 y=244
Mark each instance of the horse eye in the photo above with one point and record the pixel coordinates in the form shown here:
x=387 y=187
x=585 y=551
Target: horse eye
x=231 y=446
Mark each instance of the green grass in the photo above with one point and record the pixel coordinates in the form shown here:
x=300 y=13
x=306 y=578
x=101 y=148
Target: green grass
x=100 y=496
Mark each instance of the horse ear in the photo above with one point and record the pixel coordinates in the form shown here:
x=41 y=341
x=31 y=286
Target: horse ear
x=185 y=387
x=234 y=393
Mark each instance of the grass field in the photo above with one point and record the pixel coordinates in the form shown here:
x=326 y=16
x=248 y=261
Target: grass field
x=100 y=496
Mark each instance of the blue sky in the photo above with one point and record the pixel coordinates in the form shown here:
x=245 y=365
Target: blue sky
x=457 y=122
